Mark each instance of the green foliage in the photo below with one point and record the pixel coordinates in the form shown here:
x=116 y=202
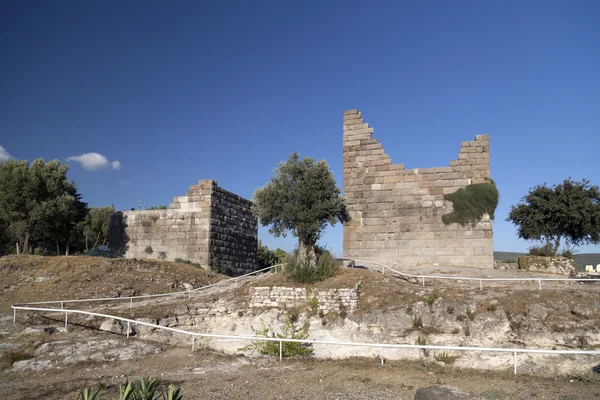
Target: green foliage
x=417 y=321
x=409 y=309
x=568 y=254
x=96 y=225
x=144 y=389
x=431 y=298
x=422 y=340
x=157 y=208
x=444 y=357
x=569 y=211
x=306 y=270
x=472 y=203
x=302 y=198
x=148 y=250
x=541 y=251
x=510 y=260
x=265 y=257
x=271 y=348
x=221 y=267
x=313 y=305
x=38 y=204
x=162 y=255
x=188 y=262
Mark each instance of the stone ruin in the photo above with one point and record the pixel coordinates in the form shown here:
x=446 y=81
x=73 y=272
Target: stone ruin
x=208 y=224
x=397 y=213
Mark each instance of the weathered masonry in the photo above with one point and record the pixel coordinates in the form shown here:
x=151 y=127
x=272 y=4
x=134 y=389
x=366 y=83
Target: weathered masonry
x=397 y=213
x=208 y=224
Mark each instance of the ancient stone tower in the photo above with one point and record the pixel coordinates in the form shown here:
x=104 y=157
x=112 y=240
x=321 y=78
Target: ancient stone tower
x=397 y=213
x=208 y=224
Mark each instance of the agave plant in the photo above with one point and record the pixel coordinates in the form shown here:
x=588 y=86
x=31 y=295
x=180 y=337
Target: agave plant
x=89 y=394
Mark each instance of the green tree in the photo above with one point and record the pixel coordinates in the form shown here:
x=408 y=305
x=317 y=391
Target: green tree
x=38 y=203
x=96 y=225
x=301 y=198
x=569 y=211
x=265 y=257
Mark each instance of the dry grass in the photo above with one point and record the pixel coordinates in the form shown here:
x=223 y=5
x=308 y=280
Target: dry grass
x=37 y=278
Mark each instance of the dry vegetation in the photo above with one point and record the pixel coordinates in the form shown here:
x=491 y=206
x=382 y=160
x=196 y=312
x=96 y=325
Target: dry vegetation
x=36 y=278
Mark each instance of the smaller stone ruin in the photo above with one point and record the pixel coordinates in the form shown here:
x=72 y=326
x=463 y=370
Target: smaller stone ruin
x=209 y=226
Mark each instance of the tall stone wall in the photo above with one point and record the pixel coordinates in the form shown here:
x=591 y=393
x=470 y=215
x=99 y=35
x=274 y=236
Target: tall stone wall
x=233 y=230
x=397 y=213
x=207 y=224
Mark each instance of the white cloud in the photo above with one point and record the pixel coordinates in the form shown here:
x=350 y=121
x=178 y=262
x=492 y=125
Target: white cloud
x=94 y=161
x=124 y=182
x=4 y=154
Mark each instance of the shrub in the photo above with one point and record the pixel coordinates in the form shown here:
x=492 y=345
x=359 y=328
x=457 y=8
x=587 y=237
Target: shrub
x=10 y=357
x=568 y=254
x=541 y=251
x=95 y=252
x=314 y=305
x=162 y=255
x=417 y=321
x=188 y=262
x=422 y=340
x=510 y=260
x=148 y=250
x=222 y=268
x=431 y=298
x=271 y=348
x=307 y=270
x=444 y=357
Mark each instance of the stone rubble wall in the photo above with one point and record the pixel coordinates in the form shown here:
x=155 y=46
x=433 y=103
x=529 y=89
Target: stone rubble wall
x=328 y=299
x=207 y=223
x=505 y=265
x=397 y=213
x=554 y=265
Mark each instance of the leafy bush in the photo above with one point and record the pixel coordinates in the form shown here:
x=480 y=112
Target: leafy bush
x=188 y=262
x=144 y=389
x=265 y=257
x=541 y=251
x=568 y=254
x=162 y=255
x=422 y=340
x=471 y=203
x=222 y=268
x=157 y=208
x=271 y=348
x=307 y=270
x=148 y=250
x=510 y=260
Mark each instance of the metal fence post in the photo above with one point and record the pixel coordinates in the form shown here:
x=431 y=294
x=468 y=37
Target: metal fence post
x=381 y=354
x=515 y=362
x=131 y=303
x=540 y=284
x=193 y=343
x=480 y=284
x=62 y=305
x=128 y=325
x=423 y=281
x=66 y=320
x=280 y=350
x=14 y=315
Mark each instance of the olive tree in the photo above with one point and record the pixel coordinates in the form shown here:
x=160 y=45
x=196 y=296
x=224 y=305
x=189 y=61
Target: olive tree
x=569 y=211
x=301 y=198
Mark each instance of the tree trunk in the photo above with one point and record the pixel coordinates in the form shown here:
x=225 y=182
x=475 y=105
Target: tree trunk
x=307 y=251
x=57 y=249
x=555 y=250
x=86 y=244
x=26 y=243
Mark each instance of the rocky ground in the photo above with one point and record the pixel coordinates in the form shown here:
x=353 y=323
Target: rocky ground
x=40 y=359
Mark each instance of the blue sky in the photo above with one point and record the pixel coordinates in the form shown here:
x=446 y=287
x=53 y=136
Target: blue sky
x=225 y=90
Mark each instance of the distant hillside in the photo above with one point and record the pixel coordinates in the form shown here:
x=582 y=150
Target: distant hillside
x=581 y=259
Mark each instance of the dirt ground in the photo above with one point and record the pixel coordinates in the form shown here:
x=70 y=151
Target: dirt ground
x=36 y=278
x=207 y=375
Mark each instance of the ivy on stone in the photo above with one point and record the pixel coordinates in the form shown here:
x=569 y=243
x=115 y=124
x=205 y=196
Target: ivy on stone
x=471 y=203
